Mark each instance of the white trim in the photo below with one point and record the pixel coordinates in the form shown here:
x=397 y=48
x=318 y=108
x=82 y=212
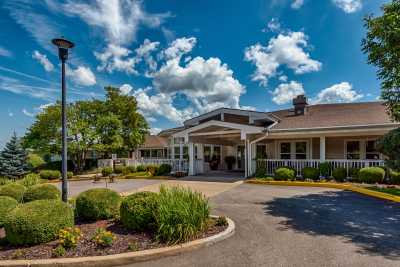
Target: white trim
x=336 y=127
x=293 y=148
x=216 y=133
x=363 y=147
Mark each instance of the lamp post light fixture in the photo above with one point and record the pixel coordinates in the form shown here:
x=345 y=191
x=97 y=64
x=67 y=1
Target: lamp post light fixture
x=63 y=46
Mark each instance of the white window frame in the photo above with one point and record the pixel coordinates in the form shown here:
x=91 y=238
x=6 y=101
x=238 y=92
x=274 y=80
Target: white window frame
x=293 y=148
x=363 y=147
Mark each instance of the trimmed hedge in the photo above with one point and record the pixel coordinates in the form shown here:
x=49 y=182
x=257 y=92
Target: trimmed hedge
x=50 y=174
x=7 y=204
x=353 y=172
x=97 y=204
x=130 y=169
x=164 y=169
x=311 y=173
x=119 y=169
x=371 y=175
x=137 y=211
x=339 y=174
x=152 y=169
x=140 y=168
x=13 y=190
x=324 y=169
x=37 y=222
x=42 y=191
x=260 y=173
x=30 y=180
x=284 y=174
x=395 y=177
x=107 y=171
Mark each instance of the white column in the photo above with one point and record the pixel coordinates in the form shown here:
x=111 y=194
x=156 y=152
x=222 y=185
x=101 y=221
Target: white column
x=200 y=156
x=245 y=159
x=191 y=159
x=181 y=151
x=322 y=148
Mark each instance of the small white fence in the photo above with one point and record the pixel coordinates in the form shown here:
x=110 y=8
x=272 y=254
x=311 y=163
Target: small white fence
x=176 y=164
x=271 y=164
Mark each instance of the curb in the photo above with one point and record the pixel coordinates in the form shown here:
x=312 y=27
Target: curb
x=129 y=257
x=348 y=187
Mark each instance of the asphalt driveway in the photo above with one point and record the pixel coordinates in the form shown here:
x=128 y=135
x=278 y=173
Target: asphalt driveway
x=299 y=226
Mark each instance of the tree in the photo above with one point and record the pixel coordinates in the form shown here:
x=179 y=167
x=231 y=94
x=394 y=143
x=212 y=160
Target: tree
x=107 y=126
x=13 y=159
x=382 y=44
x=389 y=145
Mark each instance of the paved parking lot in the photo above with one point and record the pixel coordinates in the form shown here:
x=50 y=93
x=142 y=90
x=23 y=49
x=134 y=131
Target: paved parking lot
x=299 y=226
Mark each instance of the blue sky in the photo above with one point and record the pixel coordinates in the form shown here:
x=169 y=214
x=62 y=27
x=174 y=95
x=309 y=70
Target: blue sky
x=183 y=58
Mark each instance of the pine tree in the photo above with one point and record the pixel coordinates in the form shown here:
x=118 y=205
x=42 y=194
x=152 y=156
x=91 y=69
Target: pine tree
x=13 y=159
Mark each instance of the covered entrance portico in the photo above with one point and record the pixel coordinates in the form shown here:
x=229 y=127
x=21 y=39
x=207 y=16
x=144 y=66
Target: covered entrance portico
x=212 y=142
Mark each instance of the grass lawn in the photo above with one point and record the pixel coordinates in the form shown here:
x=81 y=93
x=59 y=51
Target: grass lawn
x=392 y=191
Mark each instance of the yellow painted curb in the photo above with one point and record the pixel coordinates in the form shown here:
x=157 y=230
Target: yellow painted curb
x=126 y=258
x=344 y=186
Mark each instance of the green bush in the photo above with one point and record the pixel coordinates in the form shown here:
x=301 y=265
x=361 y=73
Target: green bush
x=7 y=204
x=260 y=172
x=181 y=214
x=30 y=180
x=35 y=161
x=4 y=181
x=339 y=174
x=353 y=172
x=164 y=169
x=50 y=174
x=42 y=191
x=311 y=173
x=107 y=171
x=325 y=169
x=140 y=168
x=130 y=169
x=152 y=169
x=137 y=211
x=70 y=175
x=371 y=175
x=120 y=169
x=37 y=222
x=97 y=204
x=13 y=190
x=284 y=174
x=395 y=177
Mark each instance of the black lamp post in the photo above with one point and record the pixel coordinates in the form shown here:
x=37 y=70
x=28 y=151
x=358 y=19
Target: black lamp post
x=63 y=46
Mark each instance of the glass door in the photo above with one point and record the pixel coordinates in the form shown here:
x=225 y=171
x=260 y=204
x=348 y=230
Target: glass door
x=240 y=157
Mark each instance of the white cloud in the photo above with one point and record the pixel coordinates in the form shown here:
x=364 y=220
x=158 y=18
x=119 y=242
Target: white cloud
x=144 y=52
x=348 y=6
x=179 y=47
x=155 y=130
x=337 y=93
x=285 y=92
x=273 y=25
x=82 y=76
x=126 y=89
x=27 y=113
x=296 y=4
x=5 y=53
x=115 y=58
x=17 y=87
x=286 y=49
x=43 y=60
x=283 y=78
x=10 y=114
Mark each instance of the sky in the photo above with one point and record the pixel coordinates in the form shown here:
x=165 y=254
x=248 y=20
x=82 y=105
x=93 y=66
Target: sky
x=183 y=58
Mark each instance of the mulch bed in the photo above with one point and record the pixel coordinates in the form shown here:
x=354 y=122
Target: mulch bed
x=87 y=247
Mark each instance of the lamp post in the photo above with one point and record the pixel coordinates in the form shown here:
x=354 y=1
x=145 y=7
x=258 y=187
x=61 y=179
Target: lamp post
x=63 y=46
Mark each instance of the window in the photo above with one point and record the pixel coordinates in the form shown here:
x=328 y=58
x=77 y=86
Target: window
x=353 y=150
x=370 y=150
x=285 y=150
x=212 y=152
x=177 y=152
x=261 y=152
x=186 y=152
x=217 y=153
x=301 y=150
x=154 y=153
x=179 y=140
x=207 y=153
x=145 y=153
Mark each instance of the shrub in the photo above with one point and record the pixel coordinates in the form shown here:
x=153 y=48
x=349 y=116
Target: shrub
x=70 y=175
x=37 y=222
x=181 y=214
x=395 y=177
x=4 y=181
x=260 y=173
x=30 y=180
x=137 y=175
x=7 y=204
x=107 y=171
x=35 y=161
x=152 y=169
x=13 y=190
x=371 y=175
x=42 y=191
x=69 y=237
x=311 y=173
x=119 y=169
x=99 y=203
x=164 y=169
x=339 y=174
x=59 y=251
x=103 y=238
x=324 y=169
x=285 y=173
x=221 y=221
x=130 y=169
x=354 y=173
x=140 y=168
x=137 y=211
x=50 y=174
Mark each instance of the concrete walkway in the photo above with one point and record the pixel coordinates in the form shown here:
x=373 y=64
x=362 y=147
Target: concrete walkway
x=299 y=226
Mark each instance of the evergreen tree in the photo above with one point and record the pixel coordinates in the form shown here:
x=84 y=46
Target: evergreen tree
x=13 y=159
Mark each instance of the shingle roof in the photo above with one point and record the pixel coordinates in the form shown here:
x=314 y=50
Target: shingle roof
x=333 y=115
x=154 y=141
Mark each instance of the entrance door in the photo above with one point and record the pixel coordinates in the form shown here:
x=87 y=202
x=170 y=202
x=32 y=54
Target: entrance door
x=240 y=158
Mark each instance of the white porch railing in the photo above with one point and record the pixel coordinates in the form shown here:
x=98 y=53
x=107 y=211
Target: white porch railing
x=176 y=164
x=271 y=164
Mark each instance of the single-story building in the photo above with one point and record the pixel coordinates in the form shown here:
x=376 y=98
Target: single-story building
x=344 y=134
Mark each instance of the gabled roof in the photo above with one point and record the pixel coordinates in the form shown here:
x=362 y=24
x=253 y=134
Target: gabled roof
x=154 y=141
x=333 y=115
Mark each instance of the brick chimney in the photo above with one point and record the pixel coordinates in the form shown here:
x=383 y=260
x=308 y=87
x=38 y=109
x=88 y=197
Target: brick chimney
x=300 y=104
